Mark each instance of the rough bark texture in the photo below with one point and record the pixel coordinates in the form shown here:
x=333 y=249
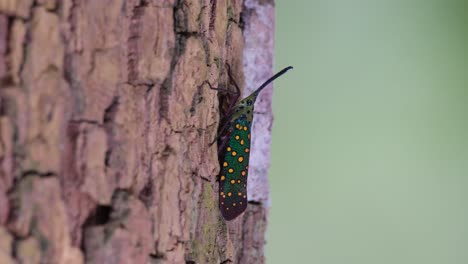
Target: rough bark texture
x=105 y=124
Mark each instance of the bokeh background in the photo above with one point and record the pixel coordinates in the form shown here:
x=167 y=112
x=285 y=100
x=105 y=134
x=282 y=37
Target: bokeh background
x=370 y=140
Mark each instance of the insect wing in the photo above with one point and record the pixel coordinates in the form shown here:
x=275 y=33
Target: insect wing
x=234 y=171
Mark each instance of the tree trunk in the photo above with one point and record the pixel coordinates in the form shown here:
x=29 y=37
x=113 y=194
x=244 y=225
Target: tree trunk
x=105 y=123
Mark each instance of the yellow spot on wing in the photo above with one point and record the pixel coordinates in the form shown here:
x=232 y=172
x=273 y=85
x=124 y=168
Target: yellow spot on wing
x=225 y=164
x=245 y=128
x=239 y=193
x=222 y=177
x=247 y=150
x=231 y=170
x=248 y=136
x=229 y=149
x=240 y=159
x=237 y=138
x=243 y=173
x=234 y=204
x=233 y=181
x=229 y=193
x=234 y=153
x=241 y=142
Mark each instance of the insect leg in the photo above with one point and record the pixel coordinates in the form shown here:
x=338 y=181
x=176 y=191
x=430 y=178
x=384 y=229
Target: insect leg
x=220 y=133
x=220 y=89
x=222 y=145
x=236 y=93
x=231 y=105
x=231 y=79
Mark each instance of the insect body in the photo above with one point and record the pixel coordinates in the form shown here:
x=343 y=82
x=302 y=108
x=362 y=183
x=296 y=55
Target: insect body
x=235 y=161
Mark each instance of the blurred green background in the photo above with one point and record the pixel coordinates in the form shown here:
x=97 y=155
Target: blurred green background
x=370 y=140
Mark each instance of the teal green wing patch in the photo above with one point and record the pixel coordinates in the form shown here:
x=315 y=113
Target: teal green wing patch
x=234 y=171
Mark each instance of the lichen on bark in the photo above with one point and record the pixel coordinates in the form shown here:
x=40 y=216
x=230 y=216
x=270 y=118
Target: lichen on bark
x=105 y=122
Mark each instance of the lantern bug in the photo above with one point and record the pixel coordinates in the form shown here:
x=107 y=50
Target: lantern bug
x=234 y=150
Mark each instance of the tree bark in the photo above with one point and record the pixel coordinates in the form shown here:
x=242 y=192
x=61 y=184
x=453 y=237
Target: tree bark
x=105 y=122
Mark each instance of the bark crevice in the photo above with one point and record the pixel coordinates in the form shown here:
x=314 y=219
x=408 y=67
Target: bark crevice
x=105 y=123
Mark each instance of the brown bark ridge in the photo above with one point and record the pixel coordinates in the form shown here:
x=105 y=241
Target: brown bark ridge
x=105 y=122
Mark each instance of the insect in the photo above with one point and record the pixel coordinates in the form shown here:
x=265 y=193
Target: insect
x=235 y=152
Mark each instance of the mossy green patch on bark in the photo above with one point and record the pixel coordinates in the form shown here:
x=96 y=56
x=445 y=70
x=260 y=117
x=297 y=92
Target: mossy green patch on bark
x=203 y=245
